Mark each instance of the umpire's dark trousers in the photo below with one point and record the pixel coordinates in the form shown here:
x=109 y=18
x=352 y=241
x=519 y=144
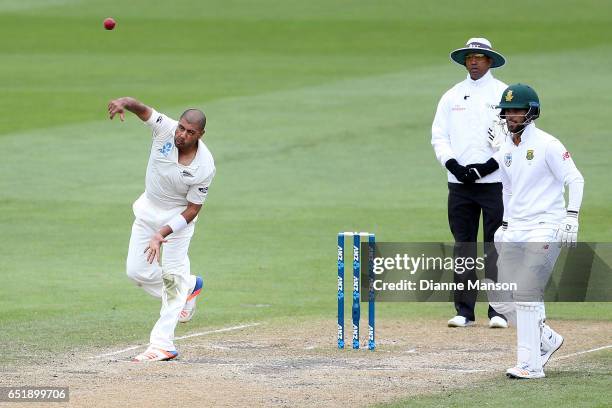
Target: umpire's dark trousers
x=465 y=203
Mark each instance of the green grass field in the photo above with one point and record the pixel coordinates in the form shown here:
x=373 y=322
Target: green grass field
x=569 y=388
x=319 y=121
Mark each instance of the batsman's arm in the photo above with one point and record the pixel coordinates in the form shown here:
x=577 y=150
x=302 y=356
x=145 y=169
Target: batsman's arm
x=563 y=167
x=120 y=105
x=506 y=184
x=561 y=164
x=506 y=196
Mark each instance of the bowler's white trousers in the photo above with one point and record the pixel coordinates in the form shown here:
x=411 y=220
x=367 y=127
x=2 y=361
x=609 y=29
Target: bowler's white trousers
x=172 y=280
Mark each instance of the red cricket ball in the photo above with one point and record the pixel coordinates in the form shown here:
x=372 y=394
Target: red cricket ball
x=109 y=23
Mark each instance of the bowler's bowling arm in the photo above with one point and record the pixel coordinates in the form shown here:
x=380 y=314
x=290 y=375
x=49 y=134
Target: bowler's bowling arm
x=133 y=105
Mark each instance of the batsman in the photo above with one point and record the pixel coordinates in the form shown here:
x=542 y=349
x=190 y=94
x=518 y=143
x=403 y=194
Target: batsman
x=536 y=168
x=179 y=173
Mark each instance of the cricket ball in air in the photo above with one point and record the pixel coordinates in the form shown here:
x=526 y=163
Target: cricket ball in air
x=109 y=23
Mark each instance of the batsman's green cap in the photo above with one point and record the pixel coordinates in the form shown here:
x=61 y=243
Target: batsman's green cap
x=519 y=96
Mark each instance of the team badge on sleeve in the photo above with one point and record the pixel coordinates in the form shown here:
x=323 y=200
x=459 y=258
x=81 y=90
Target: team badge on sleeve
x=566 y=156
x=508 y=159
x=529 y=155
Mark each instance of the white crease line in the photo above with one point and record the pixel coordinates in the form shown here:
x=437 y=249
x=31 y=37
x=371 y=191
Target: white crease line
x=242 y=326
x=225 y=329
x=118 y=352
x=456 y=370
x=581 y=352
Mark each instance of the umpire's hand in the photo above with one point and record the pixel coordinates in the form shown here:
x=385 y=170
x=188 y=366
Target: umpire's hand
x=462 y=173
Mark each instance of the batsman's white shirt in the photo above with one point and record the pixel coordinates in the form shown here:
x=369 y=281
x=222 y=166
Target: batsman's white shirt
x=535 y=173
x=168 y=183
x=464 y=114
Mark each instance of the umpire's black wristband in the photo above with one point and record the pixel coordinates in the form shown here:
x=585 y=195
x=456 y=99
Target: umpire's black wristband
x=484 y=169
x=490 y=166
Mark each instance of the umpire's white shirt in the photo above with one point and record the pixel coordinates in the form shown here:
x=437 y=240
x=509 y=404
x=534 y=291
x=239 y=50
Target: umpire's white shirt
x=465 y=113
x=169 y=184
x=535 y=173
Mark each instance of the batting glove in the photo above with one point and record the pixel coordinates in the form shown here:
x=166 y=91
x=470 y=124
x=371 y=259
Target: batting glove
x=567 y=234
x=496 y=134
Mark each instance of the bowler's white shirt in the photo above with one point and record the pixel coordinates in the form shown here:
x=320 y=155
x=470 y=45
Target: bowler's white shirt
x=464 y=114
x=168 y=183
x=535 y=173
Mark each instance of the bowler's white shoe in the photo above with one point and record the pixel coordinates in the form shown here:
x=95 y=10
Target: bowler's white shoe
x=550 y=342
x=155 y=354
x=522 y=372
x=190 y=305
x=460 y=321
x=497 y=322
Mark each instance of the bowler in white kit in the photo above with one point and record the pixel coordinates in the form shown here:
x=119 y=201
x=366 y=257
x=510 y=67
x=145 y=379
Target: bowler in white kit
x=535 y=170
x=179 y=173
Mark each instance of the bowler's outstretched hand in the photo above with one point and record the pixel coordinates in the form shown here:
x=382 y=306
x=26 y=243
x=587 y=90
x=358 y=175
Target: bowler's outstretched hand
x=116 y=106
x=152 y=251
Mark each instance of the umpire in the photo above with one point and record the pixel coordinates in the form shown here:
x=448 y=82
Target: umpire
x=459 y=136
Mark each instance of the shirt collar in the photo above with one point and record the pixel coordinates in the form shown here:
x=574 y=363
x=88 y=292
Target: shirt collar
x=195 y=163
x=526 y=135
x=529 y=129
x=480 y=82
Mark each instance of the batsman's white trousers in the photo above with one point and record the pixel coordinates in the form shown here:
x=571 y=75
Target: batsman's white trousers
x=172 y=280
x=526 y=258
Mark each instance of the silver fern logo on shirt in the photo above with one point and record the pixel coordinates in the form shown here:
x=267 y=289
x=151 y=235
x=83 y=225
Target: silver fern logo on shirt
x=165 y=149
